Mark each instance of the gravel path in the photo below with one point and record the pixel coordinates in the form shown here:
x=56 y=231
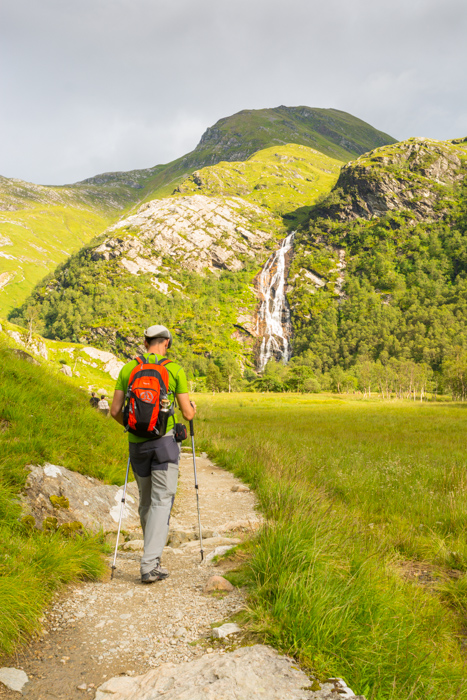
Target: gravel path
x=99 y=630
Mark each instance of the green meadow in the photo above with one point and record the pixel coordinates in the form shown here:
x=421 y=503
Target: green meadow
x=360 y=495
x=44 y=418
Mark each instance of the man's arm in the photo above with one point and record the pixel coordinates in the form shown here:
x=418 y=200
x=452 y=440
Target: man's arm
x=187 y=407
x=117 y=405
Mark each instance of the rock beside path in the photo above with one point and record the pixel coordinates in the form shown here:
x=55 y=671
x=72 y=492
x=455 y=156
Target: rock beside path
x=56 y=492
x=13 y=678
x=256 y=673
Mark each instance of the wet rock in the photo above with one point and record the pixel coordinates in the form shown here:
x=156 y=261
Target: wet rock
x=225 y=630
x=256 y=673
x=13 y=678
x=217 y=583
x=92 y=503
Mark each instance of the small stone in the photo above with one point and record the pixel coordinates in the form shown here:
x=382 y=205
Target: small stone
x=225 y=630
x=204 y=455
x=217 y=583
x=134 y=546
x=240 y=488
x=83 y=686
x=180 y=632
x=13 y=678
x=125 y=616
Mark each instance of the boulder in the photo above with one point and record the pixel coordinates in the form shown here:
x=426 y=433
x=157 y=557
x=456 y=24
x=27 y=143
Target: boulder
x=217 y=583
x=257 y=673
x=89 y=501
x=66 y=370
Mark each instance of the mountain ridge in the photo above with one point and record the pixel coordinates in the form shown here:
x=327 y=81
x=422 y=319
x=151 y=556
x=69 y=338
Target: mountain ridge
x=42 y=225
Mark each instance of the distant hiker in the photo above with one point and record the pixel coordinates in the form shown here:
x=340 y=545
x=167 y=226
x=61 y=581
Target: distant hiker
x=103 y=405
x=93 y=400
x=154 y=460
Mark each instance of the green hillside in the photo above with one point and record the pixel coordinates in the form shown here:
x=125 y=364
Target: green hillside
x=34 y=564
x=285 y=179
x=379 y=273
x=334 y=133
x=105 y=293
x=377 y=276
x=41 y=226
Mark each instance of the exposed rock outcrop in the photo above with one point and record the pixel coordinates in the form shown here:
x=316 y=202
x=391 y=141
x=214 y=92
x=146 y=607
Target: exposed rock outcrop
x=256 y=673
x=198 y=231
x=57 y=492
x=415 y=175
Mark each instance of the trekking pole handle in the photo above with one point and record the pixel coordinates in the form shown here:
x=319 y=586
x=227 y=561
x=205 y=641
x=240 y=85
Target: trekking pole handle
x=192 y=430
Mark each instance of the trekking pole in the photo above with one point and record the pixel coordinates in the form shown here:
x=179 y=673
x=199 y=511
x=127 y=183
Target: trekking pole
x=113 y=567
x=192 y=434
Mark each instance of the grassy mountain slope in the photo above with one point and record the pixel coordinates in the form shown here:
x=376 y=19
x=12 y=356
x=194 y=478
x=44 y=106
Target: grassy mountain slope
x=43 y=418
x=380 y=270
x=40 y=226
x=334 y=133
x=91 y=369
x=106 y=293
x=285 y=179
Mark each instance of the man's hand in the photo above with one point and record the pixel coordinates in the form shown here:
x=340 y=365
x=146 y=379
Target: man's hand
x=187 y=407
x=117 y=405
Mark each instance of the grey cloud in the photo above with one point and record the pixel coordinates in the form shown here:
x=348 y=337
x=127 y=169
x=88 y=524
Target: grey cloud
x=96 y=85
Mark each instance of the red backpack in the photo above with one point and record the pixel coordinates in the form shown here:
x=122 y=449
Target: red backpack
x=147 y=408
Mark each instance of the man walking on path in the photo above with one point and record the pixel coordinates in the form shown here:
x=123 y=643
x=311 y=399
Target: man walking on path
x=155 y=461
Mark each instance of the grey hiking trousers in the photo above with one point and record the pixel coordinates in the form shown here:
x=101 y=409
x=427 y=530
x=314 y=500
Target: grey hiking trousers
x=155 y=466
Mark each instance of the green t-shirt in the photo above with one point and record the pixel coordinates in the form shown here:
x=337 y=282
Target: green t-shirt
x=177 y=384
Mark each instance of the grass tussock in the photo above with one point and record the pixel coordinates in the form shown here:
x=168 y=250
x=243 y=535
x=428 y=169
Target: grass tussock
x=325 y=580
x=45 y=419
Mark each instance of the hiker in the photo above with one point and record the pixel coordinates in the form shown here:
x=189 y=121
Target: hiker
x=154 y=461
x=93 y=400
x=103 y=405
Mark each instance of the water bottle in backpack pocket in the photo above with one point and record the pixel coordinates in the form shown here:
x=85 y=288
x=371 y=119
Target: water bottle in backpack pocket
x=147 y=406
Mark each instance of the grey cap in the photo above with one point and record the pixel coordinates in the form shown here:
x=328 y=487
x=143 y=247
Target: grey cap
x=157 y=332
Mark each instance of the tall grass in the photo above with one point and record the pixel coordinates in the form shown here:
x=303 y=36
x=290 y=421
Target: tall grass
x=44 y=419
x=347 y=485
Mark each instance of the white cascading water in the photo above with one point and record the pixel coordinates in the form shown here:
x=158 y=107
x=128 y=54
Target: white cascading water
x=274 y=315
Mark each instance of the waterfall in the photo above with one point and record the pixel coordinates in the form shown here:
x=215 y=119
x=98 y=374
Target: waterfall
x=274 y=323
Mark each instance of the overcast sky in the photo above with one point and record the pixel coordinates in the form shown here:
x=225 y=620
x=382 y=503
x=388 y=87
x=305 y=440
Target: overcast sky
x=89 y=86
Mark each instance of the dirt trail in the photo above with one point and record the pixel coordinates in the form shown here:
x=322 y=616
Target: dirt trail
x=99 y=630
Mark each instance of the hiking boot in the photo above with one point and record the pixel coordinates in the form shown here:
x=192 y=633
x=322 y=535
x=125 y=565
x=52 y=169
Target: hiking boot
x=157 y=574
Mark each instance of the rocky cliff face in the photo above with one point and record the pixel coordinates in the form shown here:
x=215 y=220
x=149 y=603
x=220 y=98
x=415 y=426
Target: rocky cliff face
x=416 y=175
